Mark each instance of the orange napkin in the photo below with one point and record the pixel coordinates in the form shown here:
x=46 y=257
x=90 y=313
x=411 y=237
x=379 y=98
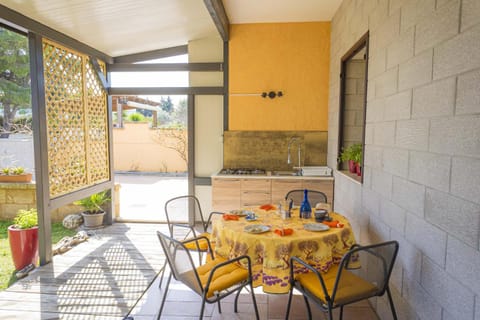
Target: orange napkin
x=284 y=232
x=333 y=224
x=227 y=216
x=267 y=207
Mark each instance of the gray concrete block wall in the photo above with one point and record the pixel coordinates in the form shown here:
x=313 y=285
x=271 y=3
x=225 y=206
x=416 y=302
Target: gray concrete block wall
x=422 y=155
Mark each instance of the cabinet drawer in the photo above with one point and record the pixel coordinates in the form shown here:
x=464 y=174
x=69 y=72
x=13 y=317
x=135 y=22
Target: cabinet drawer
x=325 y=186
x=280 y=187
x=254 y=198
x=256 y=184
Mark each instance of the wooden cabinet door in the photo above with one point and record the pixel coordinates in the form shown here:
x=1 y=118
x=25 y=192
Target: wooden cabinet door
x=280 y=187
x=226 y=194
x=325 y=186
x=255 y=192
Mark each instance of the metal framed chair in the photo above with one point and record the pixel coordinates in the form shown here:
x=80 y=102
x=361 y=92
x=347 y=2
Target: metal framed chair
x=213 y=281
x=363 y=272
x=314 y=196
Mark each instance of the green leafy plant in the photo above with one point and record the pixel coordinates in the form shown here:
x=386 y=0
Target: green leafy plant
x=346 y=154
x=18 y=170
x=93 y=204
x=357 y=153
x=136 y=117
x=6 y=171
x=13 y=171
x=26 y=219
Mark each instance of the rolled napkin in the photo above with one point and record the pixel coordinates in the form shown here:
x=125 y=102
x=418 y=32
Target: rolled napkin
x=333 y=224
x=227 y=216
x=268 y=207
x=283 y=232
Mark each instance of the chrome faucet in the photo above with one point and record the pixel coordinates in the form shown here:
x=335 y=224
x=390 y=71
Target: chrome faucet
x=290 y=142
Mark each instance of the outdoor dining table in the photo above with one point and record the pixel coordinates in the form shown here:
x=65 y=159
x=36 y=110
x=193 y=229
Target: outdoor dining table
x=270 y=249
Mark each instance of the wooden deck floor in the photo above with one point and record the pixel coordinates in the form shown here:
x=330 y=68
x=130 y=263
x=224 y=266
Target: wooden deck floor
x=105 y=278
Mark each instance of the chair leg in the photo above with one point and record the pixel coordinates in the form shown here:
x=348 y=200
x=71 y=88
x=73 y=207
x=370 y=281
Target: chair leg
x=164 y=296
x=390 y=300
x=290 y=294
x=341 y=313
x=203 y=308
x=235 y=305
x=254 y=301
x=161 y=273
x=308 y=308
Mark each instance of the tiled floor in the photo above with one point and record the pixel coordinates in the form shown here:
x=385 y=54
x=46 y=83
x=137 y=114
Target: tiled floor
x=183 y=304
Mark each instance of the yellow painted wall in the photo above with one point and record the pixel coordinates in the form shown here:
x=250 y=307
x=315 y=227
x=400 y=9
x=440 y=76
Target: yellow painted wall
x=291 y=57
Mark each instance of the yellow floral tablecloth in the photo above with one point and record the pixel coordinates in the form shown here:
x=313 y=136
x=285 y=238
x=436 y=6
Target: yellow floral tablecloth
x=270 y=253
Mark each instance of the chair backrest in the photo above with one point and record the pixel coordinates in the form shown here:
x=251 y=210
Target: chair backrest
x=372 y=265
x=179 y=210
x=314 y=197
x=180 y=262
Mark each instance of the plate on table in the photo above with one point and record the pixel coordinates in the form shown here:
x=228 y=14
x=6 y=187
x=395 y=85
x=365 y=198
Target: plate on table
x=240 y=213
x=316 y=227
x=250 y=219
x=256 y=228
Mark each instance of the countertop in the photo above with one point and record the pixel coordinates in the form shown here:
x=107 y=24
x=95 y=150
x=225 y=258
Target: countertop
x=268 y=175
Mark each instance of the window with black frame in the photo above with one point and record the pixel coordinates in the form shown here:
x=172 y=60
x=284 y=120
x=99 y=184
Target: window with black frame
x=353 y=92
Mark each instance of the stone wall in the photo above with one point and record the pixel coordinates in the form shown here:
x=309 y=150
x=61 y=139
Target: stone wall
x=422 y=155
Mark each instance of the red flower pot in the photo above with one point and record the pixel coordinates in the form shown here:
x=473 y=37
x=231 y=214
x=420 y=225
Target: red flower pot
x=24 y=246
x=351 y=166
x=358 y=169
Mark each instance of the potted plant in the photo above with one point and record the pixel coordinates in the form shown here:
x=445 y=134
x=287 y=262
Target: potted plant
x=347 y=156
x=357 y=155
x=15 y=174
x=93 y=212
x=23 y=238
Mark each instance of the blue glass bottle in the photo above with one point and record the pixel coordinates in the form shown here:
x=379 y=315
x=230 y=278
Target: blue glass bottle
x=305 y=208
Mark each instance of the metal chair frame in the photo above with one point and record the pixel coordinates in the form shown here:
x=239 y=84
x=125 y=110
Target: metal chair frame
x=218 y=296
x=387 y=267
x=313 y=195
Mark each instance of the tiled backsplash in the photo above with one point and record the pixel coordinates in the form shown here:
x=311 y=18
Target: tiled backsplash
x=268 y=149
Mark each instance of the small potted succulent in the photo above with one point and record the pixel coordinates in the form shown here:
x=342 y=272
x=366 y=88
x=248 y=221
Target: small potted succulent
x=15 y=174
x=23 y=238
x=93 y=212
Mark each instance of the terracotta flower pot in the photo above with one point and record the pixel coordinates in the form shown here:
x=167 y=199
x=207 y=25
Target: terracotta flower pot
x=24 y=246
x=351 y=166
x=26 y=177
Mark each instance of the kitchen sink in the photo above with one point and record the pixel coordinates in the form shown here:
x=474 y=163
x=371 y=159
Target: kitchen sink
x=286 y=173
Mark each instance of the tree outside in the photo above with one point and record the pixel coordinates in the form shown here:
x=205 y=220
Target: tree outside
x=14 y=77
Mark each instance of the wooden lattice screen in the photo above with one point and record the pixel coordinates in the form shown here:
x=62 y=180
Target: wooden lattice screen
x=77 y=124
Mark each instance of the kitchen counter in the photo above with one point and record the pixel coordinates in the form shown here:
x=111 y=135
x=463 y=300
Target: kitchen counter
x=269 y=176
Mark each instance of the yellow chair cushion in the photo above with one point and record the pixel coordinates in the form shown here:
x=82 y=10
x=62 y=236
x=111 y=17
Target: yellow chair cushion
x=202 y=243
x=351 y=286
x=223 y=278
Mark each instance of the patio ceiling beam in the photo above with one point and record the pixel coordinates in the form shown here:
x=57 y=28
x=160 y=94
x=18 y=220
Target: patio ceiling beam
x=166 y=91
x=31 y=25
x=219 y=17
x=147 y=67
x=151 y=55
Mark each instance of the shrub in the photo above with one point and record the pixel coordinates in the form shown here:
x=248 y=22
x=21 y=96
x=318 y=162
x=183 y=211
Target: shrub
x=136 y=117
x=26 y=219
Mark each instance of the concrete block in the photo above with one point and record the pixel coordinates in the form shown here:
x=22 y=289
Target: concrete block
x=456 y=216
x=387 y=32
x=382 y=183
x=354 y=101
x=470 y=13
x=3 y=196
x=356 y=69
x=456 y=136
x=387 y=83
x=373 y=156
x=375 y=110
x=409 y=257
x=435 y=99
x=430 y=169
x=409 y=195
x=447 y=291
x=395 y=161
x=350 y=86
x=17 y=196
x=477 y=308
x=393 y=215
x=412 y=134
x=429 y=239
x=414 y=11
x=377 y=63
x=398 y=106
x=424 y=304
x=369 y=133
x=370 y=201
x=416 y=71
x=437 y=27
x=378 y=231
x=401 y=49
x=462 y=263
x=378 y=15
x=465 y=178
x=457 y=55
x=468 y=97
x=384 y=133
